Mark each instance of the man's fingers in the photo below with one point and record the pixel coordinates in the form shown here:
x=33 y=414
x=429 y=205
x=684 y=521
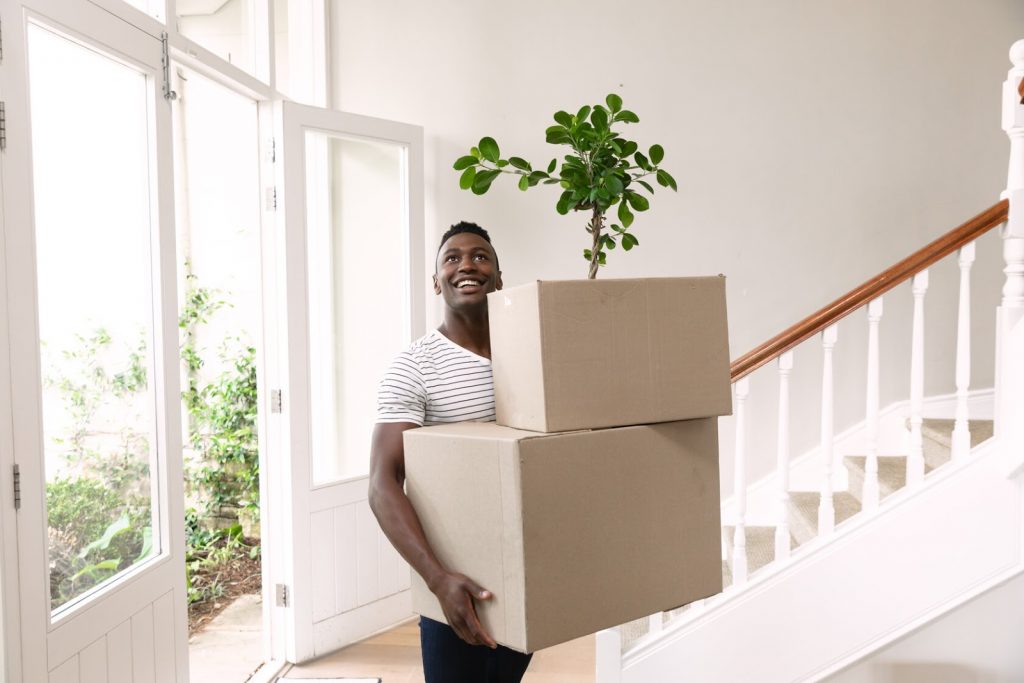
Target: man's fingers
x=479 y=632
x=477 y=591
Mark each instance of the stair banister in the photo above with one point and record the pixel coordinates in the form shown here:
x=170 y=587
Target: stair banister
x=877 y=286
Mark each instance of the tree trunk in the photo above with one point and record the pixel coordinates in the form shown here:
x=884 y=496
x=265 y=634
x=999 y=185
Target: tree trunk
x=596 y=225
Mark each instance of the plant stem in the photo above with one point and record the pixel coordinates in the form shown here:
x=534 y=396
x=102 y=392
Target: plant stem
x=596 y=224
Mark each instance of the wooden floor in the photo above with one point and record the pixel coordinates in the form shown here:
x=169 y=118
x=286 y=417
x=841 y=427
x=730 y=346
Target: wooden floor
x=394 y=657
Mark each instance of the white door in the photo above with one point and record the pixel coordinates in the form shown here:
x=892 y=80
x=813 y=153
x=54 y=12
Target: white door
x=94 y=581
x=350 y=290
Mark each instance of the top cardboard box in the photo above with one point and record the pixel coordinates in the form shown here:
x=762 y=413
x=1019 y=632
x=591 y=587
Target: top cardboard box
x=587 y=354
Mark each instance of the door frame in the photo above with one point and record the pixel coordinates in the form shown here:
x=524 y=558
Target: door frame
x=28 y=620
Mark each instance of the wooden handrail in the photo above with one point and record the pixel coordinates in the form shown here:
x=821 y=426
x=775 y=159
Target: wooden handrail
x=1020 y=90
x=872 y=289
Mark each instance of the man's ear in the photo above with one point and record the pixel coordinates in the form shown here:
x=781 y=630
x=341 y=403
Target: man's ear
x=498 y=285
x=437 y=285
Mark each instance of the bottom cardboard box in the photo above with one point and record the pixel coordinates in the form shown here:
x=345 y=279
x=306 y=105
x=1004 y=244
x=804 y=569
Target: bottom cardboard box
x=572 y=532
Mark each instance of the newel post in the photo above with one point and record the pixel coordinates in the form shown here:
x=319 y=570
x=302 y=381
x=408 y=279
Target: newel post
x=1010 y=318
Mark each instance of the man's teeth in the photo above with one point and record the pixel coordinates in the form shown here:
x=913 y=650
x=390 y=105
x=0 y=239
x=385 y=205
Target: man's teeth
x=467 y=283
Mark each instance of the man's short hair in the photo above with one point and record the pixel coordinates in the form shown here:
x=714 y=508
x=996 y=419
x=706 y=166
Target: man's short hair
x=466 y=226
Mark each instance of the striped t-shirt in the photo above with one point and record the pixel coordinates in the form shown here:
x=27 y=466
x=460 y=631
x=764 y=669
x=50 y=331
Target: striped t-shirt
x=436 y=381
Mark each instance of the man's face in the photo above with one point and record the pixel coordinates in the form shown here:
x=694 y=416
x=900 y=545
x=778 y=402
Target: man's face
x=466 y=271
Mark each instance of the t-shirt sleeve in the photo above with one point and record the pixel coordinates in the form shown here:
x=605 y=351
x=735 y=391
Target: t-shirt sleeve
x=402 y=395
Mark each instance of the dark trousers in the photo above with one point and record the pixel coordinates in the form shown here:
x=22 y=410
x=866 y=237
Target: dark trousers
x=449 y=659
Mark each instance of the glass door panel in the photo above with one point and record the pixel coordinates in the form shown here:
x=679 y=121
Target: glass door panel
x=93 y=221
x=358 y=227
x=226 y=28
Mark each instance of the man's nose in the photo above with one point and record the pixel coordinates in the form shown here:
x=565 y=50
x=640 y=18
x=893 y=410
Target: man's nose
x=467 y=263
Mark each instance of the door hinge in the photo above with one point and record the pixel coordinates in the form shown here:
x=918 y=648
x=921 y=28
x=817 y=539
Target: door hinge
x=276 y=400
x=281 y=593
x=3 y=125
x=17 y=488
x=271 y=199
x=273 y=150
x=165 y=62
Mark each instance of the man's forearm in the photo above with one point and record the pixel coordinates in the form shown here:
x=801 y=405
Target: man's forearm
x=398 y=520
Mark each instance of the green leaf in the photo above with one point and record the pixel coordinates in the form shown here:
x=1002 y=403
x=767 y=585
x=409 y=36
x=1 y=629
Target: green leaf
x=147 y=544
x=564 y=118
x=464 y=162
x=552 y=181
x=557 y=135
x=665 y=180
x=642 y=161
x=629 y=241
x=524 y=183
x=625 y=215
x=502 y=163
x=582 y=114
x=466 y=179
x=599 y=117
x=637 y=201
x=121 y=524
x=601 y=257
x=587 y=254
x=521 y=164
x=489 y=148
x=482 y=181
x=614 y=184
x=552 y=165
x=657 y=154
x=614 y=103
x=475 y=151
x=626 y=116
x=564 y=202
x=628 y=147
x=617 y=228
x=609 y=241
x=646 y=185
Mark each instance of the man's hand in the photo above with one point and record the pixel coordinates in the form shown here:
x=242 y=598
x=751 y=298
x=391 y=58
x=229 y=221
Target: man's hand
x=456 y=594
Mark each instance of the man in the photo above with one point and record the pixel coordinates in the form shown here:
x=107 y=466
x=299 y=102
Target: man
x=444 y=376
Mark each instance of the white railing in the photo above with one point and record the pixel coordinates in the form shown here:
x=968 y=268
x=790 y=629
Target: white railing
x=1009 y=392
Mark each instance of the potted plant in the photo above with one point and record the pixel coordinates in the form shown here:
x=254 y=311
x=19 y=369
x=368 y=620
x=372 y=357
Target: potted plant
x=602 y=170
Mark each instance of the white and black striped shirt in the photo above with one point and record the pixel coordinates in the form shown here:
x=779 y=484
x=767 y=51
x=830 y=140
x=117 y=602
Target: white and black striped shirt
x=436 y=381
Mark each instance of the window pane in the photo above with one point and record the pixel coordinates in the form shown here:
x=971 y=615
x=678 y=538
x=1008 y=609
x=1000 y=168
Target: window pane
x=224 y=27
x=92 y=219
x=358 y=264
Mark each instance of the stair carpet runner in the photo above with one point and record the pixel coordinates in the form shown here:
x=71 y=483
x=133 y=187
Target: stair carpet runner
x=803 y=506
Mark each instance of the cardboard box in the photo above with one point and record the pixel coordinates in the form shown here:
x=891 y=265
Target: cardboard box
x=586 y=354
x=571 y=532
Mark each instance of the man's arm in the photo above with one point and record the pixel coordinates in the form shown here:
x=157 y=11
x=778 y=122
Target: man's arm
x=400 y=524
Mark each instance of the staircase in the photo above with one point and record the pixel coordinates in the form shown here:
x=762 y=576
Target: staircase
x=894 y=537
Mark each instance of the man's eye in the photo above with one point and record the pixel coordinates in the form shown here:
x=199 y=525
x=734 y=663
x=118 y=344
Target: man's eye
x=450 y=259
x=481 y=257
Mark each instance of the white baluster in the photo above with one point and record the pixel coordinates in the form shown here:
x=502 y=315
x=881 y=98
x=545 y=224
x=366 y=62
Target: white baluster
x=961 y=430
x=608 y=656
x=870 y=495
x=655 y=623
x=826 y=508
x=1010 y=318
x=915 y=460
x=739 y=542
x=782 y=525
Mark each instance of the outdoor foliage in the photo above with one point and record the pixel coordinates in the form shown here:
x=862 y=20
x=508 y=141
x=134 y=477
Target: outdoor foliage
x=98 y=500
x=98 y=503
x=602 y=170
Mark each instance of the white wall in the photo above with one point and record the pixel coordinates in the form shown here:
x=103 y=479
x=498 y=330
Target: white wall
x=978 y=643
x=815 y=144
